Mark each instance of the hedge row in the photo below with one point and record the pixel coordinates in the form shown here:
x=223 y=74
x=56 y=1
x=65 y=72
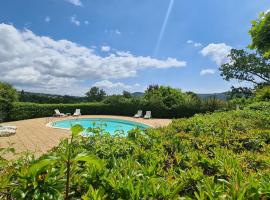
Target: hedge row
x=21 y=110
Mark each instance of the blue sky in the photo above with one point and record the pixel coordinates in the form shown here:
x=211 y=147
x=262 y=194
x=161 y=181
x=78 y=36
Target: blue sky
x=67 y=46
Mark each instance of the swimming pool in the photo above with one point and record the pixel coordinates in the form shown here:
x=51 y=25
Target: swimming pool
x=107 y=125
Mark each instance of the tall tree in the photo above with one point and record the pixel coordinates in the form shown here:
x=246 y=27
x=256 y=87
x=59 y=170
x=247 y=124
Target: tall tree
x=167 y=96
x=246 y=66
x=127 y=94
x=260 y=34
x=7 y=95
x=96 y=94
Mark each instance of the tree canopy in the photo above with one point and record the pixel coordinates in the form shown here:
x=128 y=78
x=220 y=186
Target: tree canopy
x=260 y=34
x=167 y=95
x=127 y=94
x=263 y=93
x=7 y=93
x=244 y=66
x=96 y=94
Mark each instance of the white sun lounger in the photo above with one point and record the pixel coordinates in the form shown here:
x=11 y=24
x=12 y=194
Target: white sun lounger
x=7 y=132
x=77 y=112
x=147 y=115
x=138 y=114
x=8 y=127
x=58 y=114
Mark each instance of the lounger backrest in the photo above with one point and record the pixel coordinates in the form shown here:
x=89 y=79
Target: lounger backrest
x=57 y=111
x=78 y=111
x=148 y=113
x=139 y=112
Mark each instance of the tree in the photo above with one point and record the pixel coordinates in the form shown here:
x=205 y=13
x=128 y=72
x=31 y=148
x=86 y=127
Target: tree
x=167 y=96
x=240 y=92
x=246 y=66
x=7 y=95
x=96 y=94
x=263 y=93
x=127 y=94
x=260 y=34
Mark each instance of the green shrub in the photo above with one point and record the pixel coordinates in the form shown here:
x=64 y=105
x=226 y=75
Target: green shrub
x=263 y=94
x=259 y=106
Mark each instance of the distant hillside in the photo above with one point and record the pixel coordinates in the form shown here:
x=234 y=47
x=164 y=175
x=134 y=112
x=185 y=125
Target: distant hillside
x=221 y=96
x=48 y=98
x=54 y=98
x=137 y=94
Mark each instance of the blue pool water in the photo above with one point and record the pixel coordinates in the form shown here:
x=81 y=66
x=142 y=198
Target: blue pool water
x=111 y=126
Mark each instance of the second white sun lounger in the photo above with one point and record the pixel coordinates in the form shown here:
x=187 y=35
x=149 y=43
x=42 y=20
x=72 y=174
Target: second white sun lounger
x=138 y=114
x=58 y=114
x=148 y=115
x=77 y=112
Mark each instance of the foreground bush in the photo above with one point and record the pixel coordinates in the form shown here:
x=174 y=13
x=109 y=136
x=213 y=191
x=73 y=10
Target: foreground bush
x=224 y=155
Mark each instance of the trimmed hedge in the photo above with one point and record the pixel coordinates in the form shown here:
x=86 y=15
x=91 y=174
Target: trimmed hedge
x=24 y=110
x=21 y=110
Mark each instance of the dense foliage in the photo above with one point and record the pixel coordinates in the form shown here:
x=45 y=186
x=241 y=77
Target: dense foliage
x=260 y=34
x=263 y=94
x=224 y=155
x=246 y=66
x=7 y=95
x=49 y=98
x=95 y=94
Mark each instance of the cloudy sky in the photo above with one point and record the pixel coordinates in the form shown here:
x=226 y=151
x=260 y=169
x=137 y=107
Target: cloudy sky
x=67 y=46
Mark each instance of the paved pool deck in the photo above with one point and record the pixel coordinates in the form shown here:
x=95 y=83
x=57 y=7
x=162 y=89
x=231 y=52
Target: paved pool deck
x=34 y=136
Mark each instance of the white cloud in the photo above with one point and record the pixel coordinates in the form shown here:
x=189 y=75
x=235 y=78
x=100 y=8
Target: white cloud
x=105 y=48
x=217 y=52
x=75 y=2
x=47 y=19
x=42 y=64
x=195 y=44
x=207 y=72
x=115 y=32
x=73 y=20
x=123 y=53
x=116 y=87
x=86 y=22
